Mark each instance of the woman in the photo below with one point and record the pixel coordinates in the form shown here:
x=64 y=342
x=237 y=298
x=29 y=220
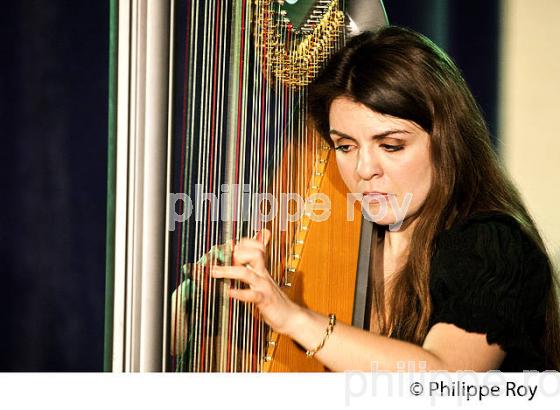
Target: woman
x=469 y=285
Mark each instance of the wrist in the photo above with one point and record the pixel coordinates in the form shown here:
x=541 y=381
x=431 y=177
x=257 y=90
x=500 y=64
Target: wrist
x=328 y=332
x=296 y=321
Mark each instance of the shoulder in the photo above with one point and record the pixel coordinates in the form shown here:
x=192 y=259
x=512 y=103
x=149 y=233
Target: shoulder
x=498 y=228
x=488 y=246
x=488 y=276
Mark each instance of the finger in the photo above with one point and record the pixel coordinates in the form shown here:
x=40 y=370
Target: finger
x=251 y=243
x=260 y=240
x=263 y=236
x=246 y=295
x=235 y=272
x=255 y=257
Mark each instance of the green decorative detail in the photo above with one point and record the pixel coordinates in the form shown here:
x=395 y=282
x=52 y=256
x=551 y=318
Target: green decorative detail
x=217 y=253
x=298 y=12
x=111 y=185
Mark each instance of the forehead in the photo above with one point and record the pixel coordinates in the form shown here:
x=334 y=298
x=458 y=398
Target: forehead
x=347 y=114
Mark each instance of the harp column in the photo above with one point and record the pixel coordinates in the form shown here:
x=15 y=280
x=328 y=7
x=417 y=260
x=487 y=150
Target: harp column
x=139 y=268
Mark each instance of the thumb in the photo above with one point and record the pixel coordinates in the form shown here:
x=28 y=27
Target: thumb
x=263 y=236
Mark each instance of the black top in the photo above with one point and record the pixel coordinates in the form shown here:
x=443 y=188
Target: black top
x=488 y=277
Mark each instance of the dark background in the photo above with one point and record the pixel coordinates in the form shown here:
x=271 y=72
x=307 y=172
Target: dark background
x=53 y=111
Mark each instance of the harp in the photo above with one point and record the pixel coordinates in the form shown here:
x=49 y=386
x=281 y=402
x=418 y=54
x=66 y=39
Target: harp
x=209 y=143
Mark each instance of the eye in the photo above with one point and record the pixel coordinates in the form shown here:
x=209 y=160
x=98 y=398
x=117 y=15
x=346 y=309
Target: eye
x=343 y=148
x=391 y=148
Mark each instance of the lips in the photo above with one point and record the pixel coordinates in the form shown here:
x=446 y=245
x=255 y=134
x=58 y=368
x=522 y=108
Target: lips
x=372 y=197
x=374 y=193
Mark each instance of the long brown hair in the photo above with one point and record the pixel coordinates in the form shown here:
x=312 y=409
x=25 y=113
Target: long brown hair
x=401 y=73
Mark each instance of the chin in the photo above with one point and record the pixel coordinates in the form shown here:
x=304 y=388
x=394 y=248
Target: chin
x=390 y=224
x=378 y=215
x=383 y=216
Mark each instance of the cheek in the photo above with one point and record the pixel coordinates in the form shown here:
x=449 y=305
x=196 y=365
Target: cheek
x=423 y=185
x=416 y=177
x=346 y=170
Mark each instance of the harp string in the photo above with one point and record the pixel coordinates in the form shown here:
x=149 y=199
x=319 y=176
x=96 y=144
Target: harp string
x=198 y=209
x=193 y=328
x=240 y=180
x=204 y=158
x=263 y=108
x=180 y=275
x=217 y=137
x=209 y=186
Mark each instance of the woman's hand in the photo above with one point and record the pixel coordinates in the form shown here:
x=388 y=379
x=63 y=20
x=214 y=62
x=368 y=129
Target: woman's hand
x=249 y=267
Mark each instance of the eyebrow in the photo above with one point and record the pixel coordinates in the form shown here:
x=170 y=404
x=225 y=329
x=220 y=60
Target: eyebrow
x=379 y=136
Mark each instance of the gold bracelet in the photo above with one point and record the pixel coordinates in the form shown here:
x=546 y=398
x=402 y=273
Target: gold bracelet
x=332 y=322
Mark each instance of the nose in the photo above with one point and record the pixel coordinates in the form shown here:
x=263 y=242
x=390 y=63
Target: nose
x=368 y=164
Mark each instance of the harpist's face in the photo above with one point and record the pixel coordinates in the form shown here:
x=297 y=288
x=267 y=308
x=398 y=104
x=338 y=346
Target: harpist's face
x=381 y=154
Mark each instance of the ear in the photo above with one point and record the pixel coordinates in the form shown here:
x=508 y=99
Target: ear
x=263 y=236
